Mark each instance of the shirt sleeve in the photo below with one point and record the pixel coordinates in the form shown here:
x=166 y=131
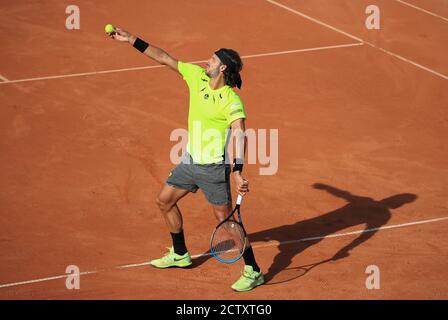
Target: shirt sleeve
x=234 y=111
x=191 y=73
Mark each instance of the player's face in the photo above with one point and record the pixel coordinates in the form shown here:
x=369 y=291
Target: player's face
x=213 y=66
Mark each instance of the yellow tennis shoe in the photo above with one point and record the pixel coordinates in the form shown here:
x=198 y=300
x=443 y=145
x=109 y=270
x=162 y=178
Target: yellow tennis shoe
x=172 y=259
x=249 y=279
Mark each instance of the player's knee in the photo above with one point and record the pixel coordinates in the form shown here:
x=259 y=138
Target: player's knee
x=163 y=204
x=221 y=215
x=222 y=212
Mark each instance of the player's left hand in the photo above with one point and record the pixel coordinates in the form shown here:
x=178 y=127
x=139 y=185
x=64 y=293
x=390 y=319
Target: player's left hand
x=120 y=35
x=242 y=185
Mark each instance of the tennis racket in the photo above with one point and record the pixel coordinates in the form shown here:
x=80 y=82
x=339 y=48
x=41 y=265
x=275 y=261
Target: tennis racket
x=228 y=241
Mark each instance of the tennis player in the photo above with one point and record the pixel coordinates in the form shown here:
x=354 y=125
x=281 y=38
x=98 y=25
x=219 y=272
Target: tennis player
x=214 y=108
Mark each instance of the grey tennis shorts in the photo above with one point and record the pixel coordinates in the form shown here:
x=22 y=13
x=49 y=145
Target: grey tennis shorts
x=212 y=179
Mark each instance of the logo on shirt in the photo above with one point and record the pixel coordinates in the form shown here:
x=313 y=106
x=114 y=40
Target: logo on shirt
x=206 y=96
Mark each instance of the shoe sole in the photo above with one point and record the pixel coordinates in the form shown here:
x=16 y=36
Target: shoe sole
x=251 y=288
x=184 y=265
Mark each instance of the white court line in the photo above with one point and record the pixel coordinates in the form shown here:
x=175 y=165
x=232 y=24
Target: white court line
x=3 y=78
x=357 y=39
x=422 y=10
x=303 y=50
x=81 y=74
x=269 y=244
x=46 y=279
x=161 y=66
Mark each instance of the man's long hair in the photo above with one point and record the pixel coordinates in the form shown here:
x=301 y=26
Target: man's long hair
x=232 y=72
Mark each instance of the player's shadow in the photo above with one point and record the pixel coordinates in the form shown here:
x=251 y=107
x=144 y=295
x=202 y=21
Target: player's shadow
x=358 y=211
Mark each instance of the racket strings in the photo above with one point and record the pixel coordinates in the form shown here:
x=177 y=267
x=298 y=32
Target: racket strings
x=229 y=241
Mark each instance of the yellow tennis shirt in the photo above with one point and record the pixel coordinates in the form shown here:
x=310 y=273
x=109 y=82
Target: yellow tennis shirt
x=210 y=114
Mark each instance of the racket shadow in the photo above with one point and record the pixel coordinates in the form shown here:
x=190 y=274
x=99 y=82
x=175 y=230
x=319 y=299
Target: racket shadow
x=292 y=273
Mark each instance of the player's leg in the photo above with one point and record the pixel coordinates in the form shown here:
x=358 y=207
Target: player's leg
x=167 y=203
x=179 y=184
x=177 y=255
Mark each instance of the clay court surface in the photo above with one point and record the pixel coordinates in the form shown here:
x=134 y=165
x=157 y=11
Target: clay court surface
x=362 y=122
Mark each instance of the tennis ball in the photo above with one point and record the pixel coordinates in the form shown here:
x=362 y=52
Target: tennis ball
x=109 y=28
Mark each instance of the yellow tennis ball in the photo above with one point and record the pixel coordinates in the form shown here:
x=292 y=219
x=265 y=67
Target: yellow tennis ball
x=109 y=28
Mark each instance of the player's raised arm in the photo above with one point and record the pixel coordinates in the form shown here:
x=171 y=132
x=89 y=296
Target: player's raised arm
x=150 y=50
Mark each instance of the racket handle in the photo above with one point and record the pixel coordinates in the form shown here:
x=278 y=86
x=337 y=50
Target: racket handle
x=239 y=199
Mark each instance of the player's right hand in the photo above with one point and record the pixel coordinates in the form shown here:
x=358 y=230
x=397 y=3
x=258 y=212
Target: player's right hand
x=242 y=185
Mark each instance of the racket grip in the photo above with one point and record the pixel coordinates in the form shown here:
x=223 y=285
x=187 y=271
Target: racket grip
x=239 y=199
